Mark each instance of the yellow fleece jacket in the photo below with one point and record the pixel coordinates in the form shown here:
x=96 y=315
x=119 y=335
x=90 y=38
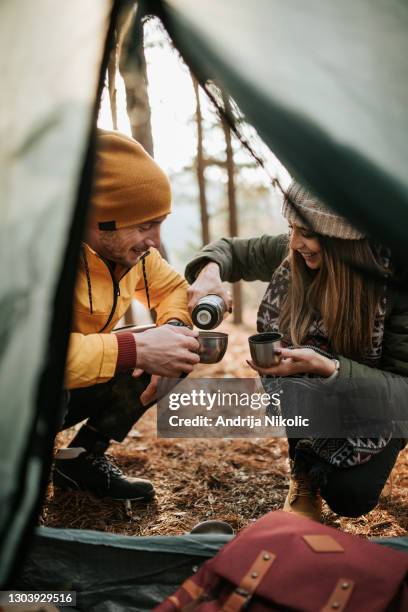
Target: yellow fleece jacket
x=99 y=303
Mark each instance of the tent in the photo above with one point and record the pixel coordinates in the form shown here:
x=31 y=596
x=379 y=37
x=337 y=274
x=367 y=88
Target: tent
x=323 y=83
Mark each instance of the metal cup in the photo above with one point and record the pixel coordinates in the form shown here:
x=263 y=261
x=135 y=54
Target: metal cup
x=262 y=348
x=212 y=346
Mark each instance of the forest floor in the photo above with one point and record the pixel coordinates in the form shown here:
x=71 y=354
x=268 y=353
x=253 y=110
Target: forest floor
x=235 y=480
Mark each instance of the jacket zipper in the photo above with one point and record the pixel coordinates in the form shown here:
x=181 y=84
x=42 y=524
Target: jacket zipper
x=116 y=294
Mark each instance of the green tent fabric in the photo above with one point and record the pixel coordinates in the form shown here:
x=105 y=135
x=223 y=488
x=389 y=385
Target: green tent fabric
x=323 y=82
x=325 y=85
x=112 y=573
x=49 y=83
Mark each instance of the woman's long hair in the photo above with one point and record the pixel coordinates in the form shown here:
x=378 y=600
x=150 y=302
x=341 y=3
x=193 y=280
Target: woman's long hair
x=340 y=293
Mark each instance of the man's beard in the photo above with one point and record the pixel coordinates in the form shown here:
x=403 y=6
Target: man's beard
x=128 y=261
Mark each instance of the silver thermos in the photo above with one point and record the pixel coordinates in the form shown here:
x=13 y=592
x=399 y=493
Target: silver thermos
x=209 y=312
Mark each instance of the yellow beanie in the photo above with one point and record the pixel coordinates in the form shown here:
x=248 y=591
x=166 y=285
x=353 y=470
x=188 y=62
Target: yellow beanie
x=129 y=187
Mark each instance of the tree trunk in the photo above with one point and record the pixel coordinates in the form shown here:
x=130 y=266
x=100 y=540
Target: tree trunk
x=205 y=227
x=232 y=207
x=112 y=66
x=132 y=67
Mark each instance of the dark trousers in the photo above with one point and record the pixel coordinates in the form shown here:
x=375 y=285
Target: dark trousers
x=112 y=408
x=355 y=491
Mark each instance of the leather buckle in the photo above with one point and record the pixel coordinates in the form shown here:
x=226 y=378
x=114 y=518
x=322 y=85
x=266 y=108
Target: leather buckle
x=245 y=594
x=242 y=594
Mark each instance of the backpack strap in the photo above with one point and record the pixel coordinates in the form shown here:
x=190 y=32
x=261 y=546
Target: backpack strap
x=195 y=592
x=193 y=589
x=340 y=596
x=246 y=588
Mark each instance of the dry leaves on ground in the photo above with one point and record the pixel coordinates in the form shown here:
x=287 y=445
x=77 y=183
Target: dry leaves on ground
x=235 y=480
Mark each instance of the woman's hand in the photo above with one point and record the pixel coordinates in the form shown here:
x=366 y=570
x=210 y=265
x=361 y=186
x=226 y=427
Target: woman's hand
x=208 y=282
x=298 y=361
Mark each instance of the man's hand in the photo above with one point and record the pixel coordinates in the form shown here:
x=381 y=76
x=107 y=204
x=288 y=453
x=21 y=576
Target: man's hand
x=298 y=361
x=208 y=282
x=150 y=393
x=167 y=351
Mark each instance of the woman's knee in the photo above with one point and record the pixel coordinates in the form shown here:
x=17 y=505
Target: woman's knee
x=351 y=499
x=351 y=508
x=356 y=490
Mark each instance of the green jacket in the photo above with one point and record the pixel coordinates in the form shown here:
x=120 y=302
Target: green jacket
x=257 y=258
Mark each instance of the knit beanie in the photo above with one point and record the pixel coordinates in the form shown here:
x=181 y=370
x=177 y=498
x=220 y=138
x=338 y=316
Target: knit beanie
x=129 y=187
x=301 y=207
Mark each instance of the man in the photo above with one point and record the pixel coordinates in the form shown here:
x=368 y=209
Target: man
x=119 y=261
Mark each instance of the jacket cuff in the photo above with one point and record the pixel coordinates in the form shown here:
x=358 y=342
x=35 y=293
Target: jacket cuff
x=126 y=352
x=169 y=315
x=196 y=265
x=345 y=367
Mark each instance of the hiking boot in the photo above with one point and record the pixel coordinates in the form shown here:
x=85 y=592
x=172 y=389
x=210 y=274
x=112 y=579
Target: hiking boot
x=302 y=500
x=99 y=475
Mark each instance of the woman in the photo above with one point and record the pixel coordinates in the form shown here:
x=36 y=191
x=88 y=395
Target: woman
x=337 y=322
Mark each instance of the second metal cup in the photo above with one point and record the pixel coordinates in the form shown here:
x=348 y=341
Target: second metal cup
x=262 y=347
x=212 y=346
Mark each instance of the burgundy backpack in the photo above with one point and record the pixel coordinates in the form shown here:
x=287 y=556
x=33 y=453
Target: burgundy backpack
x=286 y=562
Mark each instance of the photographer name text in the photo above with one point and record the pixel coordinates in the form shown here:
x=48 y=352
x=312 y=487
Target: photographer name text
x=238 y=421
